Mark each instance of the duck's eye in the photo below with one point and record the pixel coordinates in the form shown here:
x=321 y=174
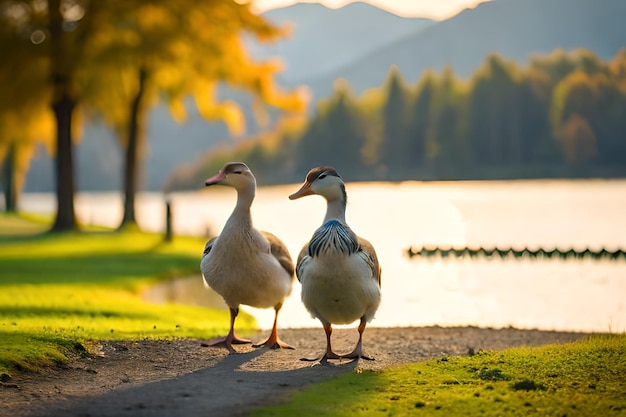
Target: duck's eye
x=321 y=177
x=236 y=172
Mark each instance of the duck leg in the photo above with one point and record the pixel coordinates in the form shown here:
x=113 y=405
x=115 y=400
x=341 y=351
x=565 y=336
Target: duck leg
x=357 y=353
x=273 y=342
x=228 y=340
x=329 y=351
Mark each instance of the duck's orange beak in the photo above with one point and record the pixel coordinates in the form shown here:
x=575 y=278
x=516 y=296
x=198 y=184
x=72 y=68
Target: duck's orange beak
x=216 y=179
x=303 y=191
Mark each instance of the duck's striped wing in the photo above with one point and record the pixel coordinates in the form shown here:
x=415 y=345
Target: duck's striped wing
x=366 y=251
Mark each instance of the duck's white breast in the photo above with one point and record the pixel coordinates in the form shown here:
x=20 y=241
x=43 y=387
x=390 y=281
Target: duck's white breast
x=339 y=289
x=249 y=277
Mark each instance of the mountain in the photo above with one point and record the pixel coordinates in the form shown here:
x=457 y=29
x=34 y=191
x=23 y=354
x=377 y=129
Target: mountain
x=322 y=40
x=517 y=29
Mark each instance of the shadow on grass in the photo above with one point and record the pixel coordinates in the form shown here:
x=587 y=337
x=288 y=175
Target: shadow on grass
x=16 y=312
x=93 y=268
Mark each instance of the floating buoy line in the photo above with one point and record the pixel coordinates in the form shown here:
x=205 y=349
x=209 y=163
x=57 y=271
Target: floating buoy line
x=556 y=253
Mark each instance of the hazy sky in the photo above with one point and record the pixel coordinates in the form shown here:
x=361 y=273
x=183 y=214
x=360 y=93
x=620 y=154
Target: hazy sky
x=433 y=9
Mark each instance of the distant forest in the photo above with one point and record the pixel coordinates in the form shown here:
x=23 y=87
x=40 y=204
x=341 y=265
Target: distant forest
x=563 y=115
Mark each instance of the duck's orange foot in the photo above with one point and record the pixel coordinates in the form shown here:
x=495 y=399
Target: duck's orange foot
x=351 y=356
x=324 y=359
x=225 y=342
x=357 y=353
x=274 y=343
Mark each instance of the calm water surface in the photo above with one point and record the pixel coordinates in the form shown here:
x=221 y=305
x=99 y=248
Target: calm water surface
x=581 y=295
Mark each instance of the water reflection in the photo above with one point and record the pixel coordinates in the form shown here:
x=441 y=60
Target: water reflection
x=187 y=290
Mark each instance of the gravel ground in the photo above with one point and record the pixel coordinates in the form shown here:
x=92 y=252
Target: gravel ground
x=182 y=378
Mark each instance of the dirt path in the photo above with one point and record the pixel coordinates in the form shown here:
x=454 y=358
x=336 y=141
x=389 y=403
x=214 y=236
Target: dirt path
x=181 y=378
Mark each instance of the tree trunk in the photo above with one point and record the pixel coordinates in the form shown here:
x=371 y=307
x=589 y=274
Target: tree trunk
x=10 y=190
x=63 y=106
x=169 y=231
x=132 y=152
x=64 y=166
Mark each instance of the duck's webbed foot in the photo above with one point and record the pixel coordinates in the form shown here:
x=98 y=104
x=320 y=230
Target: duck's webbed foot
x=323 y=360
x=357 y=353
x=226 y=342
x=274 y=343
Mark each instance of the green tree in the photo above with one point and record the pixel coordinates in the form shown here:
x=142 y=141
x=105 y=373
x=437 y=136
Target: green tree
x=535 y=96
x=576 y=101
x=337 y=136
x=397 y=153
x=449 y=151
x=611 y=123
x=494 y=124
x=590 y=107
x=424 y=149
x=578 y=140
x=559 y=64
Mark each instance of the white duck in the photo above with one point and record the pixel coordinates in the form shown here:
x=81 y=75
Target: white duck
x=245 y=265
x=339 y=271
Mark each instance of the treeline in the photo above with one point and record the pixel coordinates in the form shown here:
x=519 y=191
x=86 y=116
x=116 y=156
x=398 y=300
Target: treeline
x=563 y=115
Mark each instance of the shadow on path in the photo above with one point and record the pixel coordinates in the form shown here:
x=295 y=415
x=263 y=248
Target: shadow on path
x=228 y=388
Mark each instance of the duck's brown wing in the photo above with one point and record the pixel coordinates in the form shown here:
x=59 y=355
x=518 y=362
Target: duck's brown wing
x=280 y=252
x=372 y=259
x=304 y=253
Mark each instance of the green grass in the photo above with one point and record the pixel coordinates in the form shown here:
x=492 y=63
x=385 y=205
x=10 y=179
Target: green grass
x=59 y=292
x=586 y=378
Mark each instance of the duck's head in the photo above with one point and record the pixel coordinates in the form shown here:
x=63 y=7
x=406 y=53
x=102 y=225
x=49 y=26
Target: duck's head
x=233 y=174
x=324 y=181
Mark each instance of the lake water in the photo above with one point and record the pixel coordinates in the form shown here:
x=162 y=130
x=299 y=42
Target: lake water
x=549 y=294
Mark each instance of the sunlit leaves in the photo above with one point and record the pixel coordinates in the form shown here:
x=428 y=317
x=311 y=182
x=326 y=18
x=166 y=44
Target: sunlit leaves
x=94 y=52
x=24 y=129
x=212 y=110
x=25 y=116
x=187 y=48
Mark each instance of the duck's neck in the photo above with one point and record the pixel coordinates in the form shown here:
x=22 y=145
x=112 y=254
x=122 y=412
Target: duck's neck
x=241 y=214
x=336 y=210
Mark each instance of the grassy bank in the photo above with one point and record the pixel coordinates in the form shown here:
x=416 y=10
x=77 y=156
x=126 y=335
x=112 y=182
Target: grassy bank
x=59 y=292
x=584 y=378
